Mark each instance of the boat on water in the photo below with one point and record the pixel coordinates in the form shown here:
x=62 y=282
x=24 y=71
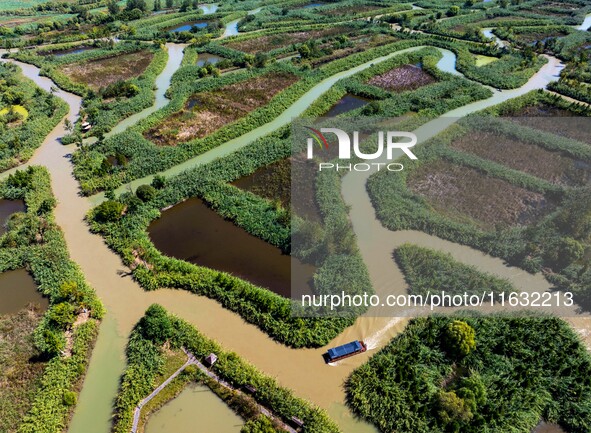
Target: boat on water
x=346 y=350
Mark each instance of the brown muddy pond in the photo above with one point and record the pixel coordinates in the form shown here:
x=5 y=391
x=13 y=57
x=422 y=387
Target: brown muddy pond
x=548 y=428
x=207 y=58
x=7 y=208
x=17 y=290
x=195 y=406
x=346 y=103
x=193 y=232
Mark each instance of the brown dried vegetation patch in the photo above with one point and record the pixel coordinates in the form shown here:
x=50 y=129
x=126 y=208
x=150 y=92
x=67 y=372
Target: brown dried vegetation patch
x=207 y=112
x=527 y=157
x=405 y=77
x=467 y=195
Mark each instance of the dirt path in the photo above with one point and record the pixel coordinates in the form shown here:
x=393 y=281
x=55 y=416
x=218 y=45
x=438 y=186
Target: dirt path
x=262 y=409
x=191 y=360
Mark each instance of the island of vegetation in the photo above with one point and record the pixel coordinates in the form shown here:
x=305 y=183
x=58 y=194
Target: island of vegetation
x=471 y=373
x=44 y=354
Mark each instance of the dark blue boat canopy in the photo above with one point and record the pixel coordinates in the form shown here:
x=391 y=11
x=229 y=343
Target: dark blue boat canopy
x=345 y=349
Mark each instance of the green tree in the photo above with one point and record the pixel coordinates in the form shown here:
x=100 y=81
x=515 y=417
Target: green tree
x=304 y=51
x=260 y=424
x=156 y=326
x=50 y=342
x=159 y=181
x=136 y=4
x=113 y=7
x=575 y=217
x=461 y=337
x=62 y=315
x=108 y=211
x=453 y=11
x=69 y=398
x=452 y=408
x=185 y=6
x=473 y=391
x=260 y=60
x=146 y=192
x=70 y=292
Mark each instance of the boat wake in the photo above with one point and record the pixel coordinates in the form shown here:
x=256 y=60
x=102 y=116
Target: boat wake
x=373 y=341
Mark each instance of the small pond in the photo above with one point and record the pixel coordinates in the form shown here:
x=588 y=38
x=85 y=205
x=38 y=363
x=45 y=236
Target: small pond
x=196 y=409
x=346 y=103
x=209 y=8
x=17 y=290
x=7 y=208
x=186 y=27
x=193 y=232
x=73 y=50
x=313 y=5
x=207 y=58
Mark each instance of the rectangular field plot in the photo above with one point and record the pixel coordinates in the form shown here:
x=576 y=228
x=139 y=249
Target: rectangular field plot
x=405 y=77
x=525 y=156
x=206 y=112
x=467 y=195
x=530 y=36
x=271 y=42
x=102 y=72
x=556 y=120
x=350 y=10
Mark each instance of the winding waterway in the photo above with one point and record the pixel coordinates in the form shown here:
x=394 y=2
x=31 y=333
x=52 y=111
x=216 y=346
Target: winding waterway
x=126 y=301
x=585 y=24
x=488 y=33
x=175 y=57
x=447 y=64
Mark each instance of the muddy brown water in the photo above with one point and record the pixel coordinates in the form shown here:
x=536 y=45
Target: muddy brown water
x=196 y=409
x=207 y=58
x=548 y=428
x=17 y=290
x=7 y=208
x=193 y=232
x=347 y=103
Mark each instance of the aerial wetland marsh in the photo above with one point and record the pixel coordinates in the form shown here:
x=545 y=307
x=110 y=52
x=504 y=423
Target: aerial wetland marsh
x=149 y=220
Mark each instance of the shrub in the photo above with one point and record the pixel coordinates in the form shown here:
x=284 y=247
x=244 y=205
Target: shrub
x=461 y=337
x=109 y=211
x=146 y=192
x=62 y=315
x=70 y=398
x=120 y=89
x=159 y=181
